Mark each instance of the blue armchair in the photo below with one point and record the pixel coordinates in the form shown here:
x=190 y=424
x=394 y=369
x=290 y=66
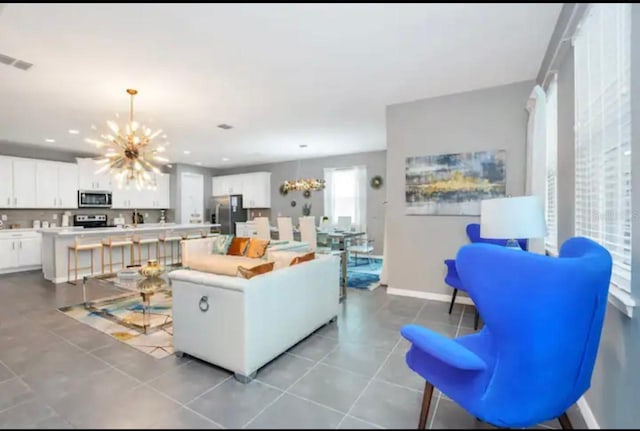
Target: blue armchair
x=535 y=354
x=452 y=278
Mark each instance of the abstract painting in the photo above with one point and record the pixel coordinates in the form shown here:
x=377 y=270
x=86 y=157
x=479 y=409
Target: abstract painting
x=454 y=184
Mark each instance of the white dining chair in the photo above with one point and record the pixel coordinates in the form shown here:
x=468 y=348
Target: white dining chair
x=285 y=229
x=263 y=228
x=344 y=223
x=308 y=231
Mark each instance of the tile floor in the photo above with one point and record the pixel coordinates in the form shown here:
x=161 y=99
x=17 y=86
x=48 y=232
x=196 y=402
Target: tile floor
x=58 y=373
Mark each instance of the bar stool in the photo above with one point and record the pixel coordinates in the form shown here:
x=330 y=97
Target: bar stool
x=78 y=247
x=170 y=238
x=138 y=242
x=121 y=242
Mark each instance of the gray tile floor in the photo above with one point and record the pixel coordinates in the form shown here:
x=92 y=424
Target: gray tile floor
x=58 y=373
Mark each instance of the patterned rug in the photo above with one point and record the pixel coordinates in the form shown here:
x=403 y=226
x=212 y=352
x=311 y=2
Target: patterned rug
x=158 y=343
x=364 y=273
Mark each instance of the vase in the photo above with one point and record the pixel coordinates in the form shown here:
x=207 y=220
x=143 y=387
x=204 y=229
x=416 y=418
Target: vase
x=151 y=269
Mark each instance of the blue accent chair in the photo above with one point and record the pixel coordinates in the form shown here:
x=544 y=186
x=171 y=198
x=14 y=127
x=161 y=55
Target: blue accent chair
x=534 y=357
x=452 y=278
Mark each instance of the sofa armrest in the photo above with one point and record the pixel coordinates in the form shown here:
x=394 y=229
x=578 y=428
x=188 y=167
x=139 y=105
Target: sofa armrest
x=209 y=279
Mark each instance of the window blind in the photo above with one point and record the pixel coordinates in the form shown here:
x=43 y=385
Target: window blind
x=551 y=164
x=603 y=133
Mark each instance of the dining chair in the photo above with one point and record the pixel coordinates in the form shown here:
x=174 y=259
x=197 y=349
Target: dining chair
x=263 y=228
x=285 y=229
x=308 y=231
x=535 y=355
x=344 y=223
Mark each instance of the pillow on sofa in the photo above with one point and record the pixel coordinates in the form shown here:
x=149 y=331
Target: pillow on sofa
x=256 y=270
x=222 y=265
x=304 y=258
x=238 y=246
x=257 y=247
x=221 y=244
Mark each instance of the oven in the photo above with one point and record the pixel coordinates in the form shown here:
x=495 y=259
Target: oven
x=94 y=199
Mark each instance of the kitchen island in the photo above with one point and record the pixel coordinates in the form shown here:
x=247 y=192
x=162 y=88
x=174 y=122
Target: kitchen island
x=56 y=242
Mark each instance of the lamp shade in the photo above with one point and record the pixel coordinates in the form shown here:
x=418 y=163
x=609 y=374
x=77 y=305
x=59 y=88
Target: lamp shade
x=513 y=217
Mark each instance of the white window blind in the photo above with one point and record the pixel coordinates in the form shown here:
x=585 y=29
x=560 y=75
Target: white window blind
x=551 y=165
x=603 y=133
x=345 y=195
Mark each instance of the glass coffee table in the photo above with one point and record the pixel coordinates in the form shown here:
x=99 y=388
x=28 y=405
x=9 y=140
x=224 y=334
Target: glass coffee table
x=129 y=299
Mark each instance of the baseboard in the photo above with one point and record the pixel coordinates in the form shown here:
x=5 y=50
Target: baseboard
x=587 y=413
x=428 y=295
x=21 y=269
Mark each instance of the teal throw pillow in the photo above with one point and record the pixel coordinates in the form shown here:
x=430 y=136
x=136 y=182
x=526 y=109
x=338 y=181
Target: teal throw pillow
x=221 y=244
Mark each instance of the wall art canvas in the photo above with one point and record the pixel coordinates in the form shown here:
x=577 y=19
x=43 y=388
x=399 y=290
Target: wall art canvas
x=454 y=184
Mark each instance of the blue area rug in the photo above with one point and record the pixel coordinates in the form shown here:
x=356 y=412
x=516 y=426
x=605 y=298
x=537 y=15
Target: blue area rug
x=363 y=273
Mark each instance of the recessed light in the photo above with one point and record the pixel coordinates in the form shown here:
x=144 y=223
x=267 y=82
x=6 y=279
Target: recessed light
x=225 y=126
x=199 y=163
x=50 y=140
x=187 y=152
x=225 y=159
x=303 y=145
x=74 y=131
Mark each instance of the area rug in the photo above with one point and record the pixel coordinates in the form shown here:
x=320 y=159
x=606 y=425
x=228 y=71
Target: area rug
x=363 y=273
x=158 y=344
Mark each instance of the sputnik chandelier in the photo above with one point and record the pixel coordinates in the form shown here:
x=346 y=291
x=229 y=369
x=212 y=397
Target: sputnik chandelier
x=130 y=153
x=303 y=184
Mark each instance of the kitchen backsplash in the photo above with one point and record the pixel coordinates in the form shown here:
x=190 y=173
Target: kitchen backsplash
x=24 y=217
x=262 y=212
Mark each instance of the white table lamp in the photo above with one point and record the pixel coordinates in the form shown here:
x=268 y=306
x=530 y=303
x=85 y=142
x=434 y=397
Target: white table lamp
x=512 y=218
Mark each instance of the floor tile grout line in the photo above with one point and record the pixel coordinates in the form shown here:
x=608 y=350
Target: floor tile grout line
x=290 y=386
x=435 y=411
x=361 y=420
x=208 y=390
x=369 y=383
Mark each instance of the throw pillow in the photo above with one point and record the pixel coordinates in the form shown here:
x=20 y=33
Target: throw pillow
x=304 y=258
x=238 y=246
x=256 y=270
x=257 y=247
x=221 y=244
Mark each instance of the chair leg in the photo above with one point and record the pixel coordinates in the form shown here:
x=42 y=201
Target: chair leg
x=476 y=320
x=565 y=423
x=426 y=402
x=453 y=299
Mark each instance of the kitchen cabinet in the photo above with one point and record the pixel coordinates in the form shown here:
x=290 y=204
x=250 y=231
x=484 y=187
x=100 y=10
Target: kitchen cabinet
x=20 y=251
x=6 y=185
x=254 y=187
x=145 y=198
x=56 y=185
x=87 y=178
x=19 y=189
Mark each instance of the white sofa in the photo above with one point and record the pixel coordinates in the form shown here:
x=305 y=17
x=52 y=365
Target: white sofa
x=241 y=324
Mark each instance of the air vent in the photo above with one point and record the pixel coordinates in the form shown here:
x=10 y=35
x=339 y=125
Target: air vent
x=23 y=65
x=19 y=64
x=225 y=126
x=5 y=59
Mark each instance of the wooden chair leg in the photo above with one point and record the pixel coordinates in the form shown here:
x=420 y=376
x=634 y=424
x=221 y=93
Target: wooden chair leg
x=426 y=403
x=91 y=261
x=453 y=299
x=565 y=423
x=69 y=265
x=76 y=262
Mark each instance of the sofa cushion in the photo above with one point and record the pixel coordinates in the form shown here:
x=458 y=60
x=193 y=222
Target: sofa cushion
x=221 y=243
x=257 y=247
x=222 y=265
x=304 y=258
x=256 y=270
x=283 y=258
x=238 y=246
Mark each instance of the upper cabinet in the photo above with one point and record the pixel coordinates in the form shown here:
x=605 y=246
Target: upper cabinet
x=254 y=187
x=133 y=198
x=56 y=185
x=87 y=178
x=18 y=188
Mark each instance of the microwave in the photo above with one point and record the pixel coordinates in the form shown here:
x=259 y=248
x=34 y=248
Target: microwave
x=94 y=199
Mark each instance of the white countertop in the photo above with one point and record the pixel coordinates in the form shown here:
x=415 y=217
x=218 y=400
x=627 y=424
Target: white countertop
x=71 y=231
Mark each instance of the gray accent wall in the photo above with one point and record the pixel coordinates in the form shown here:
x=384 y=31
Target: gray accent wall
x=492 y=118
x=307 y=168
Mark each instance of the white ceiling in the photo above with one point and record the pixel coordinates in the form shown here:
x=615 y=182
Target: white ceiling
x=282 y=74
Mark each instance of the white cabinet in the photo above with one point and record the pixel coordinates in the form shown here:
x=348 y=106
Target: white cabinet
x=6 y=185
x=19 y=183
x=20 y=251
x=144 y=199
x=163 y=191
x=254 y=187
x=87 y=178
x=56 y=185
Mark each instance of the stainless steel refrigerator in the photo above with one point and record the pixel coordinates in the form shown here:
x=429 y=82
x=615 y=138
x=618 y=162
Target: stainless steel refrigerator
x=227 y=210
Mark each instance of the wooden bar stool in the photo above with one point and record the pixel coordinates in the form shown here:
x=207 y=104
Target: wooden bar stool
x=121 y=242
x=138 y=242
x=170 y=238
x=76 y=248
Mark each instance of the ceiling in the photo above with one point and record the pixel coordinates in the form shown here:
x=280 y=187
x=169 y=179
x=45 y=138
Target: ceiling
x=283 y=75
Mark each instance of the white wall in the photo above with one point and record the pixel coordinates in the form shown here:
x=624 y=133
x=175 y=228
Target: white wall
x=493 y=118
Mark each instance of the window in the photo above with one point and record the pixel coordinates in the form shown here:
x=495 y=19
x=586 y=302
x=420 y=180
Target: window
x=345 y=195
x=551 y=165
x=603 y=133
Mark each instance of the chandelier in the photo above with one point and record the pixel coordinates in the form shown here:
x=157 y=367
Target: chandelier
x=129 y=153
x=303 y=184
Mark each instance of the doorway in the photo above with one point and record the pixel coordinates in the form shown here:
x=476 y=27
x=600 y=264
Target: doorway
x=191 y=198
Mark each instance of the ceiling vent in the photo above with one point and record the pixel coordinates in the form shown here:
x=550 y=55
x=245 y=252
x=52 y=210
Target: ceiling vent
x=19 y=64
x=225 y=126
